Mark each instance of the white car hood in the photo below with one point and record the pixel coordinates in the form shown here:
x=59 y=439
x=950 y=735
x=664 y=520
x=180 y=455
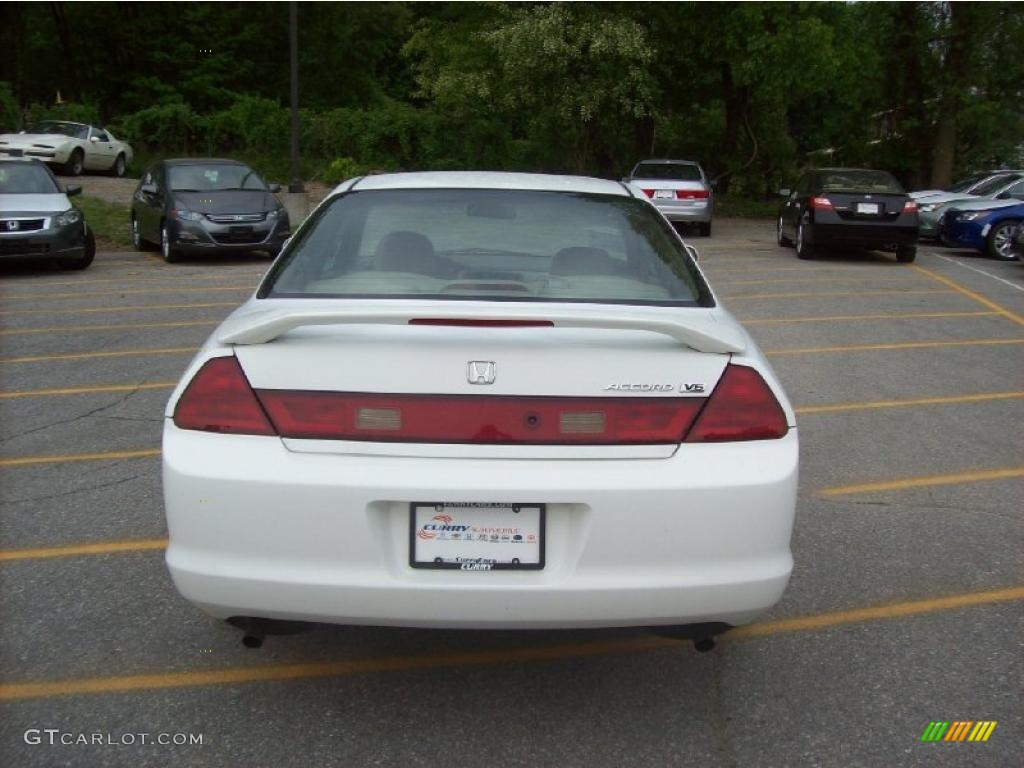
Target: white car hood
x=25 y=140
x=52 y=203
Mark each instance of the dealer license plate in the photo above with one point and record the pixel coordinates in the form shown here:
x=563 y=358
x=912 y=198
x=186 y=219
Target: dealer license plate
x=476 y=537
x=868 y=208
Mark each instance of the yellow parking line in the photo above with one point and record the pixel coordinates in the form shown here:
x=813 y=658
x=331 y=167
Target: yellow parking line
x=87 y=390
x=72 y=550
x=164 y=289
x=925 y=481
x=899 y=345
x=446 y=659
x=142 y=308
x=1012 y=316
x=92 y=355
x=70 y=457
x=874 y=613
x=843 y=318
x=108 y=327
x=806 y=410
x=791 y=281
x=813 y=294
x=868 y=269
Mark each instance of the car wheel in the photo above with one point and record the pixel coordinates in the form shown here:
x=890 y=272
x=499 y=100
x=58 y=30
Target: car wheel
x=119 y=166
x=1000 y=241
x=73 y=167
x=803 y=248
x=906 y=253
x=705 y=229
x=781 y=239
x=87 y=256
x=166 y=249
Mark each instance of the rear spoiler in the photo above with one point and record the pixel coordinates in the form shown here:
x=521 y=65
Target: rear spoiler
x=704 y=334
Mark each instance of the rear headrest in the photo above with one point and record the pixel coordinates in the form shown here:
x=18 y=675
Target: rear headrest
x=581 y=260
x=404 y=251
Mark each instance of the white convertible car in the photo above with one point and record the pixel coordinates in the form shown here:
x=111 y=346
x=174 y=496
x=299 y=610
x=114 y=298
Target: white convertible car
x=70 y=148
x=482 y=400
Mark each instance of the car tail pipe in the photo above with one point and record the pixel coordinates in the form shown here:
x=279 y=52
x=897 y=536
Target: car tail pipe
x=255 y=629
x=702 y=634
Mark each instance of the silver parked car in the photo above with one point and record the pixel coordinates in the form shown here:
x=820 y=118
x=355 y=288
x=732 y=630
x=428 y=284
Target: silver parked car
x=678 y=188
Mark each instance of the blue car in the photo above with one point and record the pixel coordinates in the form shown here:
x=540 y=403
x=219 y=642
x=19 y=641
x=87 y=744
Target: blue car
x=989 y=230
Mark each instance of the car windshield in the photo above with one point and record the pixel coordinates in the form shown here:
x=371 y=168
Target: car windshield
x=214 y=177
x=26 y=179
x=74 y=130
x=494 y=245
x=992 y=186
x=858 y=181
x=668 y=171
x=966 y=184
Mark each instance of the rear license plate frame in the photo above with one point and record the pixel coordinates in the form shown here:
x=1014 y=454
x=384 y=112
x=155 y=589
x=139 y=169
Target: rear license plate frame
x=476 y=556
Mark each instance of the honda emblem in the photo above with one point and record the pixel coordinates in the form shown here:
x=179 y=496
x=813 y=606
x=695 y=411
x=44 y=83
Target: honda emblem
x=12 y=226
x=481 y=371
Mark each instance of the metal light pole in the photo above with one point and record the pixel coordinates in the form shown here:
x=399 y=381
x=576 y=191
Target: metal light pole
x=295 y=184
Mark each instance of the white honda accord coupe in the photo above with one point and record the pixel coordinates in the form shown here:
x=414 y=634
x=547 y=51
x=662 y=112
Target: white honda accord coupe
x=482 y=400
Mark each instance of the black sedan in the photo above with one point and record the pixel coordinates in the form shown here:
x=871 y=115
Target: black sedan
x=195 y=206
x=852 y=207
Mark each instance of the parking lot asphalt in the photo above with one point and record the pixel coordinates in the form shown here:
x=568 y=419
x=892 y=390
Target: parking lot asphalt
x=905 y=606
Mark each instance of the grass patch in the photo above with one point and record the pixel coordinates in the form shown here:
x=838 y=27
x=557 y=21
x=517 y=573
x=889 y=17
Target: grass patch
x=745 y=208
x=108 y=221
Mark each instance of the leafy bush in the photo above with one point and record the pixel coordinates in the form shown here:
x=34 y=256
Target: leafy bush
x=341 y=168
x=168 y=127
x=77 y=112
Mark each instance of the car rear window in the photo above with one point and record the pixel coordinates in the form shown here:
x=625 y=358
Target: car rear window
x=25 y=179
x=858 y=181
x=494 y=245
x=668 y=171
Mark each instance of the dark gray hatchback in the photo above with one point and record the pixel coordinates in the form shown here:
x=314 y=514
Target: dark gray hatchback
x=193 y=206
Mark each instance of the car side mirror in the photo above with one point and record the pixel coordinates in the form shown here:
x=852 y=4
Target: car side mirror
x=274 y=187
x=72 y=189
x=784 y=192
x=94 y=139
x=692 y=251
x=148 y=189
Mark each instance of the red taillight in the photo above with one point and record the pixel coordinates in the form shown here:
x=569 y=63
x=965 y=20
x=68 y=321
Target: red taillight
x=692 y=194
x=649 y=192
x=742 y=407
x=219 y=399
x=821 y=204
x=910 y=207
x=479 y=419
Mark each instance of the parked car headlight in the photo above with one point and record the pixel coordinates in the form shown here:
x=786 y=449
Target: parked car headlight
x=183 y=215
x=275 y=213
x=70 y=216
x=929 y=207
x=972 y=215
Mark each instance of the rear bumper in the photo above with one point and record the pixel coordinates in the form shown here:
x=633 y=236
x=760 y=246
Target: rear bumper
x=864 y=234
x=703 y=536
x=697 y=211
